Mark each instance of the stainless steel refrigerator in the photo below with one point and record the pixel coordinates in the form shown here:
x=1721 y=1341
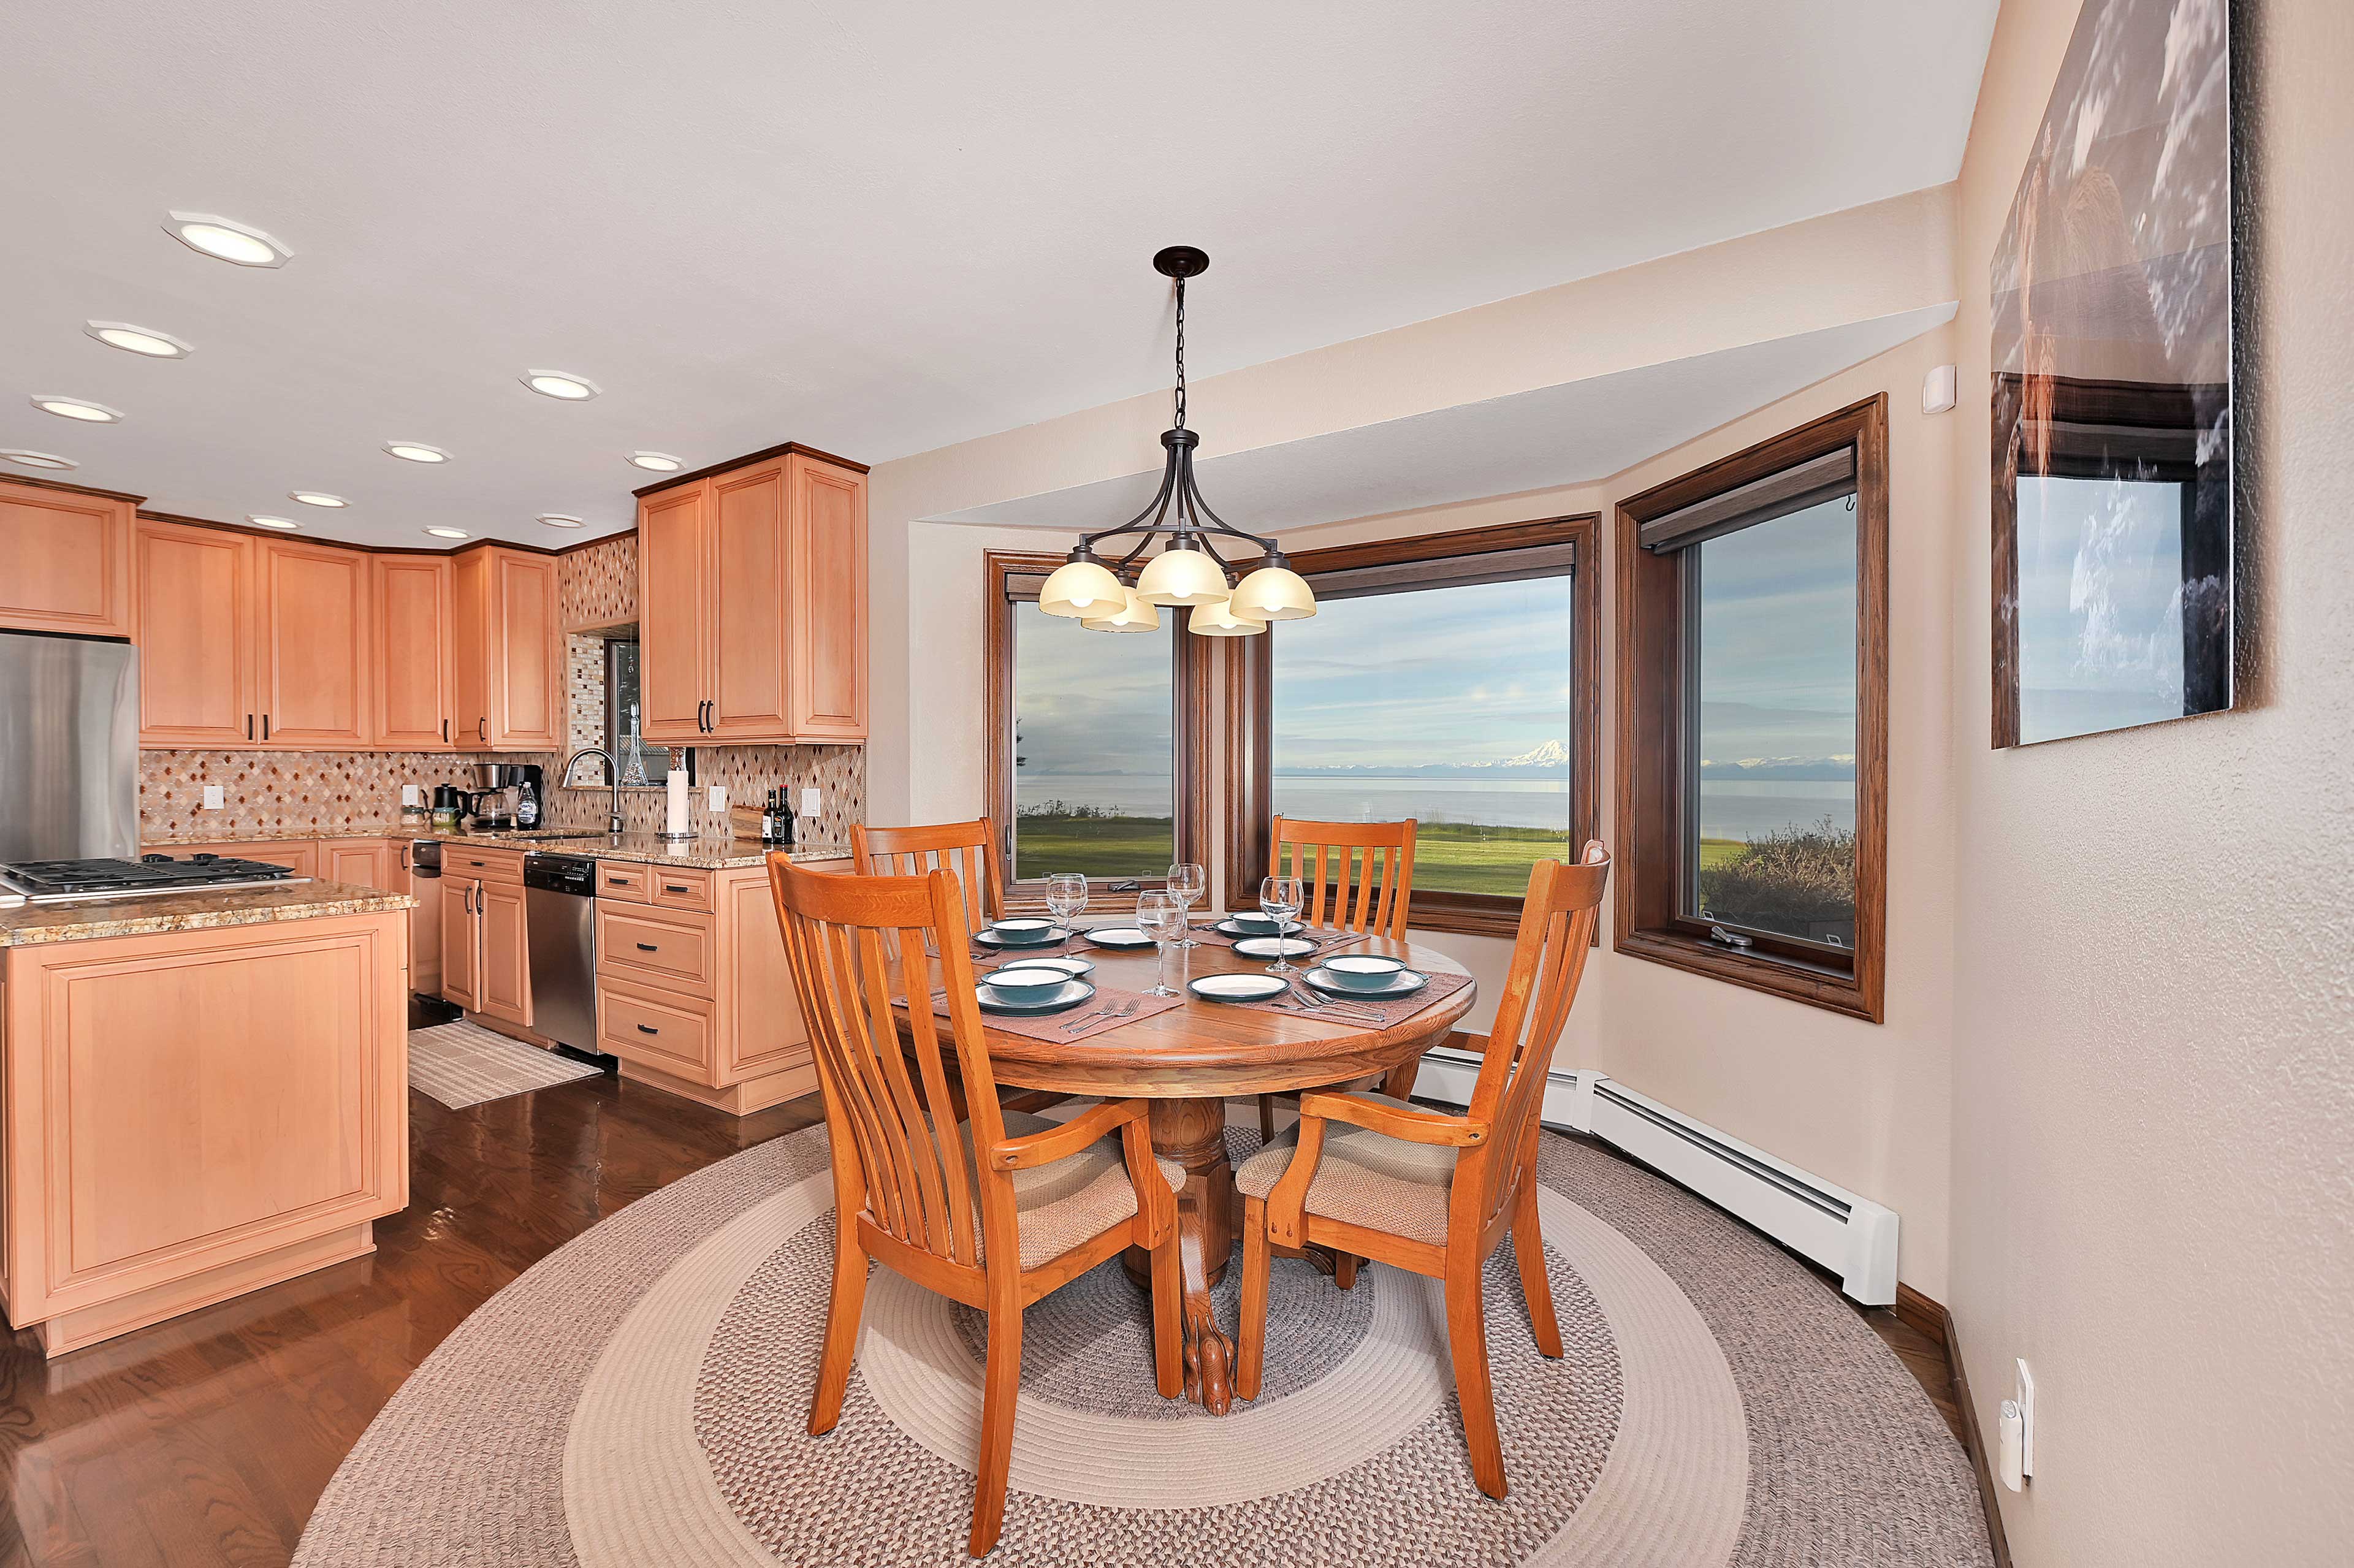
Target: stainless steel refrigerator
x=69 y=749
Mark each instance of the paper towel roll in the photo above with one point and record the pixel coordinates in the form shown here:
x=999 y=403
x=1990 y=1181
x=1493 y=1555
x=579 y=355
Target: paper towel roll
x=674 y=812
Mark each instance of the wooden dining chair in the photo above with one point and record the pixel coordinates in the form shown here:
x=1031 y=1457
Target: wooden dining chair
x=1430 y=1191
x=1331 y=858
x=966 y=851
x=993 y=1209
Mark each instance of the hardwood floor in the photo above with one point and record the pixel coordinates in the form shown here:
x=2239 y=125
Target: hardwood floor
x=208 y=1439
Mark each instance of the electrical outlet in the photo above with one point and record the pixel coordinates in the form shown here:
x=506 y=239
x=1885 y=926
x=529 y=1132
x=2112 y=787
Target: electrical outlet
x=2026 y=1397
x=214 y=800
x=719 y=797
x=809 y=803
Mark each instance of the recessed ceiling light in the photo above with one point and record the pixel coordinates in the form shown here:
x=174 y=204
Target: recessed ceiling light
x=656 y=463
x=138 y=339
x=447 y=532
x=561 y=384
x=76 y=408
x=259 y=521
x=227 y=240
x=38 y=459
x=559 y=520
x=416 y=451
x=316 y=498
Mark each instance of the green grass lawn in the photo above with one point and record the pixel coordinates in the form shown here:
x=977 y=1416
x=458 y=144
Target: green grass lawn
x=1448 y=857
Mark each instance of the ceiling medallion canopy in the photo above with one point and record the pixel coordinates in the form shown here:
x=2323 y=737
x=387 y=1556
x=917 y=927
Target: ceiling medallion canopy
x=1189 y=572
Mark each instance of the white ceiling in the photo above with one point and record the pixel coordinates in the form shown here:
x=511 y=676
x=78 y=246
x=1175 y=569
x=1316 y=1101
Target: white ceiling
x=875 y=228
x=1554 y=436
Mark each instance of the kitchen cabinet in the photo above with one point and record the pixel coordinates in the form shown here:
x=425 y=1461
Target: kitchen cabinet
x=415 y=699
x=505 y=644
x=317 y=665
x=251 y=643
x=752 y=603
x=694 y=994
x=486 y=955
x=424 y=921
x=196 y=625
x=65 y=560
x=364 y=861
x=193 y=1115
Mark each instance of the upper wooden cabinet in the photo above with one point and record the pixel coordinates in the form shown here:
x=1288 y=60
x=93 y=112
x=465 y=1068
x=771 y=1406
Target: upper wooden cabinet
x=509 y=673
x=317 y=666
x=65 y=561
x=198 y=621
x=415 y=699
x=752 y=605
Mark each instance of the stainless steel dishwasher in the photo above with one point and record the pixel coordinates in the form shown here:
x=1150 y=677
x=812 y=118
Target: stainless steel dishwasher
x=559 y=901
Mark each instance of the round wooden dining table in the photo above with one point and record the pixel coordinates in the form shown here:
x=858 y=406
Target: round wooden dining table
x=1187 y=1062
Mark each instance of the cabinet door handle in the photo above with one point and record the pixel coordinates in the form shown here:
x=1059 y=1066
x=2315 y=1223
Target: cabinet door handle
x=648 y=1029
x=482 y=729
x=445 y=732
x=248 y=726
x=265 y=726
x=649 y=947
x=677 y=887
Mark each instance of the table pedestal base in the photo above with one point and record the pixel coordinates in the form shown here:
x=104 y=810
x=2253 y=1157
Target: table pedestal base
x=1193 y=1133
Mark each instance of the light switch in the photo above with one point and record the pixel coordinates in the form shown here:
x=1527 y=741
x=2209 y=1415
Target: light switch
x=719 y=797
x=213 y=799
x=809 y=803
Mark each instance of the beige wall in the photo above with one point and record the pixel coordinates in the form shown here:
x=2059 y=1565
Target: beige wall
x=2153 y=1061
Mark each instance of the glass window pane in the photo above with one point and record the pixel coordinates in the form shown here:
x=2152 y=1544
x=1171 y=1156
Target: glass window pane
x=640 y=762
x=1448 y=704
x=1094 y=750
x=2100 y=603
x=1771 y=835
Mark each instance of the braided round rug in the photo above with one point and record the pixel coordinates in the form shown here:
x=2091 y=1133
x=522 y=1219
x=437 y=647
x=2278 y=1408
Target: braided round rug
x=639 y=1396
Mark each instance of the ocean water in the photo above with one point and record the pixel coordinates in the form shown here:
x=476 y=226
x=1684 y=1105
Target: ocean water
x=1730 y=809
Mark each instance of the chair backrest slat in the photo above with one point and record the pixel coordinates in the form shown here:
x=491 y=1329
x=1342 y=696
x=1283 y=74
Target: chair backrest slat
x=966 y=851
x=895 y=1135
x=1332 y=860
x=1558 y=920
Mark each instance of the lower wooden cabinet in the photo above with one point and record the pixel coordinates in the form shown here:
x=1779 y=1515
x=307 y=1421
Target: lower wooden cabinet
x=196 y=1114
x=693 y=993
x=424 y=921
x=461 y=945
x=368 y=862
x=486 y=954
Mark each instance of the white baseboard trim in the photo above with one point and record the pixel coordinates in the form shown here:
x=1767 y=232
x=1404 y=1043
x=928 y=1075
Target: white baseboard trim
x=1850 y=1235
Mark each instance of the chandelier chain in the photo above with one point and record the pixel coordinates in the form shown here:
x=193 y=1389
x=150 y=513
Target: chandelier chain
x=1180 y=354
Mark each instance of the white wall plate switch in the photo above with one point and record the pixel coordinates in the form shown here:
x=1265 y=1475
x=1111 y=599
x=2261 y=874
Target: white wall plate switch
x=809 y=803
x=718 y=797
x=213 y=799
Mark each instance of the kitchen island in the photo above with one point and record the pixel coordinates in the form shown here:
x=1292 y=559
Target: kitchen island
x=205 y=1093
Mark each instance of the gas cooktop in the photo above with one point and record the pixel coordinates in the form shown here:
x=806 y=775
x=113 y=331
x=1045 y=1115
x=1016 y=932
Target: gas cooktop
x=63 y=880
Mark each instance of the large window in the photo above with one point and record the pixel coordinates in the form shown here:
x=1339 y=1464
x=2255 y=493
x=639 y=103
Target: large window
x=1447 y=678
x=1753 y=695
x=641 y=761
x=1092 y=737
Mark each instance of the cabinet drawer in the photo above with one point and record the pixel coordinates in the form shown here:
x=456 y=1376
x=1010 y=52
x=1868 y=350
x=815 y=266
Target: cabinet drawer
x=671 y=950
x=680 y=887
x=624 y=880
x=483 y=865
x=670 y=1033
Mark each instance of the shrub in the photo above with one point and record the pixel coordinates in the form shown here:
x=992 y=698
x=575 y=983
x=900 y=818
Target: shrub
x=1790 y=880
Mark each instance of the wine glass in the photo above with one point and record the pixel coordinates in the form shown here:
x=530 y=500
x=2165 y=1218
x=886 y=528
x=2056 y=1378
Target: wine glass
x=1187 y=882
x=1281 y=897
x=1162 y=918
x=1067 y=895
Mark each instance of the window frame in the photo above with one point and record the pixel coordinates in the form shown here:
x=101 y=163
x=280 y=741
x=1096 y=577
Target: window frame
x=1190 y=727
x=1657 y=667
x=612 y=737
x=1249 y=712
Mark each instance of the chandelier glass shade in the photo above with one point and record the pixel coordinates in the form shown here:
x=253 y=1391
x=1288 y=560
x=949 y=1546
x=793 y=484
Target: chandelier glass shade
x=1188 y=571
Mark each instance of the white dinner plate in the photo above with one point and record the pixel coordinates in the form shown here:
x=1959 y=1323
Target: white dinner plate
x=1274 y=947
x=1118 y=937
x=1074 y=968
x=1239 y=988
x=1405 y=983
x=1070 y=995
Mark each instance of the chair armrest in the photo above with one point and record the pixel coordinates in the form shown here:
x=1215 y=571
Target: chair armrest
x=1413 y=1126
x=1062 y=1142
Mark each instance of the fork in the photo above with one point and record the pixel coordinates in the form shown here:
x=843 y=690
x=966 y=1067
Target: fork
x=1109 y=1010
x=1343 y=1010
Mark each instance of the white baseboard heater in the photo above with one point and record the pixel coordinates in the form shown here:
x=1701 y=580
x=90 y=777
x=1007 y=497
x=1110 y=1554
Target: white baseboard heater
x=1852 y=1236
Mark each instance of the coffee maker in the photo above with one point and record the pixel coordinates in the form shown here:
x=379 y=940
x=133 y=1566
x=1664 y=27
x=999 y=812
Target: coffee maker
x=510 y=792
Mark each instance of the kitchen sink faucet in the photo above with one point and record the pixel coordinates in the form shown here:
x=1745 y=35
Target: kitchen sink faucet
x=613 y=772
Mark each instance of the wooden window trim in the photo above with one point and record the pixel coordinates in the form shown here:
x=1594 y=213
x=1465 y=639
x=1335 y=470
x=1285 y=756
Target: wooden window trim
x=1651 y=697
x=1249 y=666
x=1191 y=729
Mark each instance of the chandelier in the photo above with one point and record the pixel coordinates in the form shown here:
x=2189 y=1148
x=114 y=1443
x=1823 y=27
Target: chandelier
x=1189 y=571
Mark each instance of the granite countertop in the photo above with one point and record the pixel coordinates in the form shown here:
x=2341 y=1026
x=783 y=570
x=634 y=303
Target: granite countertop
x=197 y=911
x=714 y=853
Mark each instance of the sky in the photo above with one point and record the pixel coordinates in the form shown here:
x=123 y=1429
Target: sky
x=1777 y=639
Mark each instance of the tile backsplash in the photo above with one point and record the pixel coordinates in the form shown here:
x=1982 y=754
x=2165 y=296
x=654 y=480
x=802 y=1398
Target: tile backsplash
x=327 y=791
